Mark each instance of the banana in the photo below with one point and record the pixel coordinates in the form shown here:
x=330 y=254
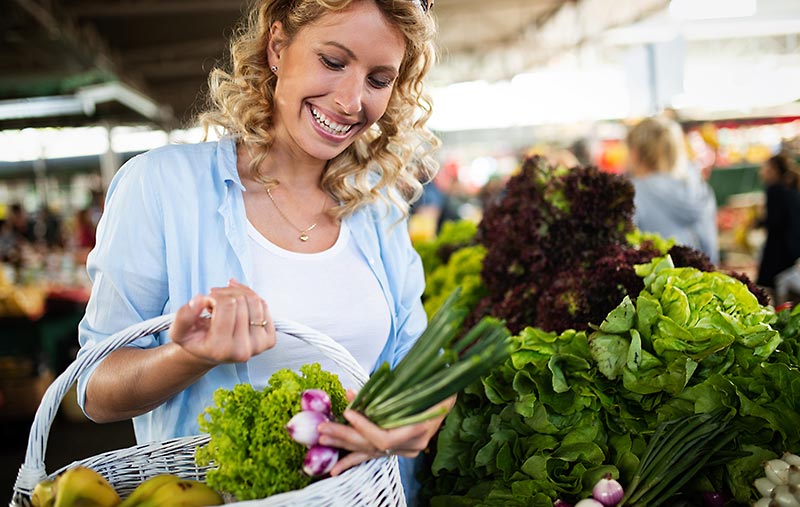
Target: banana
x=182 y=493
x=85 y=487
x=44 y=494
x=147 y=488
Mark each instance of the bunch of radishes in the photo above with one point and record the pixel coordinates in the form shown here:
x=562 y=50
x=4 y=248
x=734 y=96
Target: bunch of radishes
x=316 y=409
x=780 y=486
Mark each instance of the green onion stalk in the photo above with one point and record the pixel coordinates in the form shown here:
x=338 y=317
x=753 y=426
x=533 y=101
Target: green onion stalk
x=440 y=364
x=677 y=451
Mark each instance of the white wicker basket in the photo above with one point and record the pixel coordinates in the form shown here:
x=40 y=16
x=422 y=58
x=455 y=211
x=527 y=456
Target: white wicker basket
x=374 y=483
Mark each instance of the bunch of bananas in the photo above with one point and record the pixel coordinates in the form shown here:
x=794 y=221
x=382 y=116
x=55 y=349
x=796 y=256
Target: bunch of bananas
x=82 y=486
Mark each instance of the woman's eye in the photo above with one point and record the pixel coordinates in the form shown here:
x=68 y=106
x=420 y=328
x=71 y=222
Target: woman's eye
x=331 y=64
x=380 y=82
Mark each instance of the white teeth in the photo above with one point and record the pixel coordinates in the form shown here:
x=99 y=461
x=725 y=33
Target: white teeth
x=330 y=125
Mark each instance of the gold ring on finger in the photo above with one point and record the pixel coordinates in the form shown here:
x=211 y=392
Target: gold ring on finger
x=263 y=323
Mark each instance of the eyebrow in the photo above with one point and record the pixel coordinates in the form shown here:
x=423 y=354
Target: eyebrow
x=353 y=56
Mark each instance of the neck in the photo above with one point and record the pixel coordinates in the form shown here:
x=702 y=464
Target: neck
x=296 y=173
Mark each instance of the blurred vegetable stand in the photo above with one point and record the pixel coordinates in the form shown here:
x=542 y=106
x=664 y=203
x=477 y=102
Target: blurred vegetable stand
x=38 y=339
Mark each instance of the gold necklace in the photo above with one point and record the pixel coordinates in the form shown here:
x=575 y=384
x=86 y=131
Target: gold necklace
x=303 y=232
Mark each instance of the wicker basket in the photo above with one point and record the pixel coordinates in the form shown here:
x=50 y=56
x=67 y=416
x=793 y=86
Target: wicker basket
x=373 y=483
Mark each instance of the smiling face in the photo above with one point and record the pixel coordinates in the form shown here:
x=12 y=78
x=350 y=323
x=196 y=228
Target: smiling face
x=335 y=79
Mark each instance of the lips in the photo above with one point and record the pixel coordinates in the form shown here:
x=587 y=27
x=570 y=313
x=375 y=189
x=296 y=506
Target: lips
x=330 y=126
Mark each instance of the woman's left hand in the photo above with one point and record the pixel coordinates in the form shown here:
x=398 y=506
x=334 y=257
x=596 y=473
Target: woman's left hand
x=366 y=441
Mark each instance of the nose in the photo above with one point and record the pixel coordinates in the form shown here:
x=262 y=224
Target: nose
x=349 y=93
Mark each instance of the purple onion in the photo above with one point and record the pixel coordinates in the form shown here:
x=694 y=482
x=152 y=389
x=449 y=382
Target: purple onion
x=608 y=491
x=320 y=460
x=303 y=427
x=316 y=400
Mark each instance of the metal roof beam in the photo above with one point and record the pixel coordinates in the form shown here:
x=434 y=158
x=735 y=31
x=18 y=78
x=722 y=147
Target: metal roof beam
x=87 y=44
x=151 y=8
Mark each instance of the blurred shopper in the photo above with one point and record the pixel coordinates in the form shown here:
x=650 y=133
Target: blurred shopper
x=84 y=229
x=671 y=198
x=21 y=224
x=782 y=219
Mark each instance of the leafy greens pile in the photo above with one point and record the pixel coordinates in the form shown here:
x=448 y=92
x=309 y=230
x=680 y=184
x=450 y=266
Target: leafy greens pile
x=568 y=408
x=556 y=250
x=253 y=453
x=611 y=341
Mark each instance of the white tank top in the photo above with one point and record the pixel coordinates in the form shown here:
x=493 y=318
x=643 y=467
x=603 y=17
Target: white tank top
x=334 y=292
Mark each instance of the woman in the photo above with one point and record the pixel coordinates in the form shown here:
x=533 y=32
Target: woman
x=671 y=200
x=782 y=219
x=301 y=204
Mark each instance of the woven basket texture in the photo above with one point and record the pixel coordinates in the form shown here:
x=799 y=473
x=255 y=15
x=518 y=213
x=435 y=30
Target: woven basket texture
x=373 y=483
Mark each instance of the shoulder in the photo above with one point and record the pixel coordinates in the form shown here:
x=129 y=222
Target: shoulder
x=176 y=166
x=174 y=158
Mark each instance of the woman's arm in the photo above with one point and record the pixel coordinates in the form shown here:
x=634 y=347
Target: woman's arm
x=133 y=381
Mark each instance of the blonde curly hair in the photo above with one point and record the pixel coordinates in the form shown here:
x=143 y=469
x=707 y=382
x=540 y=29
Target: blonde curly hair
x=397 y=148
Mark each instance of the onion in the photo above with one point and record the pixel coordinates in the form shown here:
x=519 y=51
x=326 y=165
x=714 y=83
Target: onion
x=316 y=400
x=320 y=460
x=303 y=427
x=589 y=502
x=607 y=491
x=777 y=470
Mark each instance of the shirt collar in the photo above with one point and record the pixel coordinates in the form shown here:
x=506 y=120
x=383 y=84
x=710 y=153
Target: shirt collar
x=226 y=161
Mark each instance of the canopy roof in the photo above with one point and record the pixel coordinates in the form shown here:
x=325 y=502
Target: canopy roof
x=79 y=62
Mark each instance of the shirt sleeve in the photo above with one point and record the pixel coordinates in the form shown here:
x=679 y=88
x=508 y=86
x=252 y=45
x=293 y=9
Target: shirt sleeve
x=127 y=267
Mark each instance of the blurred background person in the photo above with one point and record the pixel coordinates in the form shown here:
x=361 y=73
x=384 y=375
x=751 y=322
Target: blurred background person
x=671 y=199
x=781 y=219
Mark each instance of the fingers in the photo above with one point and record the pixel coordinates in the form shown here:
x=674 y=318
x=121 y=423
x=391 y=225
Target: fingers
x=365 y=437
x=239 y=328
x=350 y=460
x=399 y=440
x=187 y=317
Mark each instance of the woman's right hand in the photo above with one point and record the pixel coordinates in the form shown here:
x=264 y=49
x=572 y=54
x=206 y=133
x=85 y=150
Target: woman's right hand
x=240 y=326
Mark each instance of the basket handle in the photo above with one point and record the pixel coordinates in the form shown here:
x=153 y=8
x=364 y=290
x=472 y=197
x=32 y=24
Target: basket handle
x=32 y=470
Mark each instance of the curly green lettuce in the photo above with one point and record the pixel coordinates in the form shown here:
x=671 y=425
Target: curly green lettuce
x=253 y=454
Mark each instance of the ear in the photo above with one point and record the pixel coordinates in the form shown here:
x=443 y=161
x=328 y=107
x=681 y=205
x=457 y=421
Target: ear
x=277 y=41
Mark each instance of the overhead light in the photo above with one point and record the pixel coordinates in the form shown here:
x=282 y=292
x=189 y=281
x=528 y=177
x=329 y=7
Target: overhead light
x=712 y=9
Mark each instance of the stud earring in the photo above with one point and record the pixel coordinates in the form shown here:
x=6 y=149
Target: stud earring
x=274 y=69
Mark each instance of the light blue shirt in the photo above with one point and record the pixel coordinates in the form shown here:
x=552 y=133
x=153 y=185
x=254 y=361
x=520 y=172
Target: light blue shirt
x=174 y=226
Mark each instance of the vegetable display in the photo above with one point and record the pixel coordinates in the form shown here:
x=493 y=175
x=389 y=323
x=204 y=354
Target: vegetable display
x=613 y=339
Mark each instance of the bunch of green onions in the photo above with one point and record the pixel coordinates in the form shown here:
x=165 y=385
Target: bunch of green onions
x=678 y=450
x=438 y=365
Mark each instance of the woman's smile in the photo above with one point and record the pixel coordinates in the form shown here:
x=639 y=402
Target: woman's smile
x=330 y=125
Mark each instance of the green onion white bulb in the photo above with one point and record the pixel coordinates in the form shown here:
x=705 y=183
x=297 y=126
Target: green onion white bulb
x=780 y=486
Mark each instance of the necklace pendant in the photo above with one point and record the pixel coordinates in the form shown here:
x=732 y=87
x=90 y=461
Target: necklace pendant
x=304 y=237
